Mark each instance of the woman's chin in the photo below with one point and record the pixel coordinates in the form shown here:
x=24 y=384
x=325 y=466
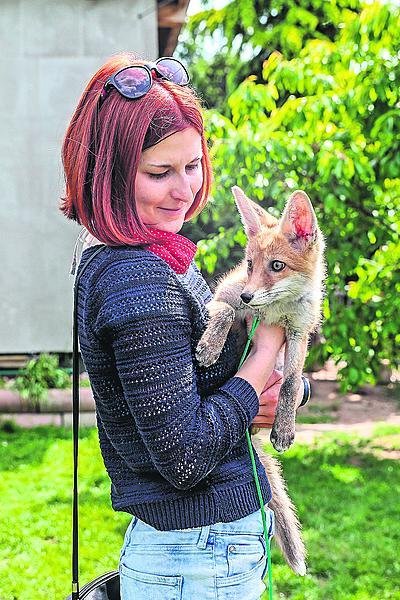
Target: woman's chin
x=172 y=226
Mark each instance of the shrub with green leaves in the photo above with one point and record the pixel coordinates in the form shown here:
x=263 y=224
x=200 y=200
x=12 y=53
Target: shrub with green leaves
x=38 y=376
x=312 y=102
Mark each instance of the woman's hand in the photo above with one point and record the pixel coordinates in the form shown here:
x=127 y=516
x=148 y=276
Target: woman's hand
x=268 y=401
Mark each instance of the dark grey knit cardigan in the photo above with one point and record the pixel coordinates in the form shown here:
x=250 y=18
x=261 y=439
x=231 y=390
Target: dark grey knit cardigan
x=172 y=434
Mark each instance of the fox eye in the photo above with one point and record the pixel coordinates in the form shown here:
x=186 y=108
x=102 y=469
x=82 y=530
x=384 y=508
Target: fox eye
x=250 y=264
x=277 y=265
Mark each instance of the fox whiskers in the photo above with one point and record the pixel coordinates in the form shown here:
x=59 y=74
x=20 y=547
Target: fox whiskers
x=290 y=289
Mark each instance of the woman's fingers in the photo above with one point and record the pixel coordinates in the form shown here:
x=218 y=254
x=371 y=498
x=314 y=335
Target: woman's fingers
x=274 y=379
x=267 y=406
x=268 y=400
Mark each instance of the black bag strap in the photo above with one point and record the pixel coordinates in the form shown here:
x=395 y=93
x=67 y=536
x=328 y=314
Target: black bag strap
x=75 y=429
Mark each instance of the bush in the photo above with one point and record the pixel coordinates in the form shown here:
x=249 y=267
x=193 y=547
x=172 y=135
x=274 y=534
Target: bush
x=39 y=375
x=310 y=99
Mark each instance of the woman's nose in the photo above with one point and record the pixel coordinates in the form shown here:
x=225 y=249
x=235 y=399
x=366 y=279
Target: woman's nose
x=183 y=190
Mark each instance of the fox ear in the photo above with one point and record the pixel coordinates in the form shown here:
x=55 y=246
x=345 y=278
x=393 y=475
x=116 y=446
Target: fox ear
x=252 y=214
x=298 y=221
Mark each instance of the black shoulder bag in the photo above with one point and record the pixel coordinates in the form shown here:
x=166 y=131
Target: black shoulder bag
x=105 y=587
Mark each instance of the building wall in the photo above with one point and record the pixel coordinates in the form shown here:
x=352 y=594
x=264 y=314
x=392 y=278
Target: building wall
x=48 y=51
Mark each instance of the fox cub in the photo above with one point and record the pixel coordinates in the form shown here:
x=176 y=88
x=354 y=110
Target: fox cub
x=280 y=280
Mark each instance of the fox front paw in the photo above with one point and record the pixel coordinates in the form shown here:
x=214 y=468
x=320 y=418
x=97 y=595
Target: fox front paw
x=206 y=353
x=282 y=437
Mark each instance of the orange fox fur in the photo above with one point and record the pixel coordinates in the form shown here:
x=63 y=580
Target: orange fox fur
x=281 y=281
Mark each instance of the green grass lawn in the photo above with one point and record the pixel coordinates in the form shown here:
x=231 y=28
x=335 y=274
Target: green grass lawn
x=347 y=494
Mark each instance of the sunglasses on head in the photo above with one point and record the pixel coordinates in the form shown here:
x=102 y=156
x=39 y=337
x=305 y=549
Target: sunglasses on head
x=136 y=80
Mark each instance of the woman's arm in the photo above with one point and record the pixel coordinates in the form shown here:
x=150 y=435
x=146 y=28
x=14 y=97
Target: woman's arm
x=258 y=367
x=146 y=323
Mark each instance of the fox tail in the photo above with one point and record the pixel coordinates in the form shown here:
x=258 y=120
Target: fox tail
x=287 y=525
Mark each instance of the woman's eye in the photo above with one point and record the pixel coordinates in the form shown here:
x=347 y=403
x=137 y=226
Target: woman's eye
x=158 y=175
x=161 y=175
x=250 y=264
x=277 y=265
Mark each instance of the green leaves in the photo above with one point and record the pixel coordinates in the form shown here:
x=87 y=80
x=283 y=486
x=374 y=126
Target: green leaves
x=250 y=103
x=39 y=375
x=317 y=107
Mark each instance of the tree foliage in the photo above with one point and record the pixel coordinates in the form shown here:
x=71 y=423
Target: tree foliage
x=306 y=95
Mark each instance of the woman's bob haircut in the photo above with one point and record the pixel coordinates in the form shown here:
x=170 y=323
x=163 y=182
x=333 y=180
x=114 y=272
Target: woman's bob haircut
x=102 y=148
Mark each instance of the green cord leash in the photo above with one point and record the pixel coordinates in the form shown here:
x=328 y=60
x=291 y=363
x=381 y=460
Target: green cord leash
x=254 y=326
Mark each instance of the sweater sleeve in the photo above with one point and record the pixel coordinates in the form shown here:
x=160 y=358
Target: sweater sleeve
x=143 y=315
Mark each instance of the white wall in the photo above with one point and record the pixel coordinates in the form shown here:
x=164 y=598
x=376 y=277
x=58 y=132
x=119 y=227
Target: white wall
x=48 y=51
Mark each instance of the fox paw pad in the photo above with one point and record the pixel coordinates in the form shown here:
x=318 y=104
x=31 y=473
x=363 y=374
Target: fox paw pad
x=281 y=440
x=206 y=355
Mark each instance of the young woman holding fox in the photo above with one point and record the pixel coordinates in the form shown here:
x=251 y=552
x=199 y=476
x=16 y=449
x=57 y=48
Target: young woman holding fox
x=172 y=434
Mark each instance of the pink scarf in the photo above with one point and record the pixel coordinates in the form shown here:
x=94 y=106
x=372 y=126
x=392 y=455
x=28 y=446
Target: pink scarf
x=176 y=250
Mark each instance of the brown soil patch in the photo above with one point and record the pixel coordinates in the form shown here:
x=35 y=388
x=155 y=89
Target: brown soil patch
x=349 y=412
x=370 y=403
x=377 y=403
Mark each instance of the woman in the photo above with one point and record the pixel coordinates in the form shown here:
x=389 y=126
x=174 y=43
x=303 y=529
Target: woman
x=172 y=434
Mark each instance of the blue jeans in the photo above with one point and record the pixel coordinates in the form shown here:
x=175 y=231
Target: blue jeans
x=224 y=561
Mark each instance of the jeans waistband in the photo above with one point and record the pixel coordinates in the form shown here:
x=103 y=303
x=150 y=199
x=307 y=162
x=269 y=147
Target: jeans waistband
x=250 y=524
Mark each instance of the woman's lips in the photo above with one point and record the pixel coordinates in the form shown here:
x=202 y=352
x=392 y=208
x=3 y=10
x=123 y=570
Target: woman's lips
x=173 y=210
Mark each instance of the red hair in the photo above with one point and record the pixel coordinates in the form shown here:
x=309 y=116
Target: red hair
x=102 y=148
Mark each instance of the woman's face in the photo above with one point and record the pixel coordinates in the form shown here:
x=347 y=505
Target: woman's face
x=169 y=176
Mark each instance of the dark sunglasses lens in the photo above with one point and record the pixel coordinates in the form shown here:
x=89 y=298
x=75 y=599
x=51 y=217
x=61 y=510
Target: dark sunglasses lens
x=133 y=82
x=173 y=70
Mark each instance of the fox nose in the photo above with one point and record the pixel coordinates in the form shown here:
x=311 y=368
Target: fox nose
x=246 y=297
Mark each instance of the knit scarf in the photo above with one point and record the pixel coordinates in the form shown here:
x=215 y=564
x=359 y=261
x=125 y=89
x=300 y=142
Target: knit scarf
x=176 y=250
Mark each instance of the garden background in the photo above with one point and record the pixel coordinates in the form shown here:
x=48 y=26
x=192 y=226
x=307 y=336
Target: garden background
x=297 y=95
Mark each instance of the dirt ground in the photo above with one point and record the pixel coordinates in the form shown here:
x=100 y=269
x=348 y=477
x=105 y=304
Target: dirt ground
x=371 y=403
x=330 y=410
